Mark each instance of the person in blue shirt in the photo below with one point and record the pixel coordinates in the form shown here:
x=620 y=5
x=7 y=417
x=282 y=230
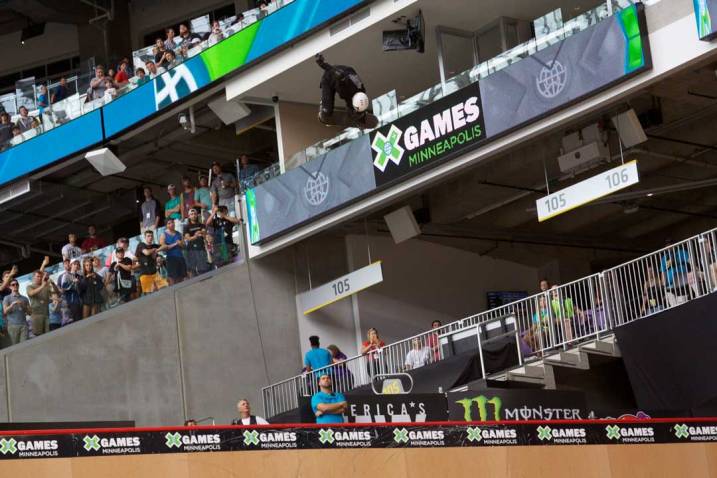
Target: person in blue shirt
x=328 y=406
x=317 y=357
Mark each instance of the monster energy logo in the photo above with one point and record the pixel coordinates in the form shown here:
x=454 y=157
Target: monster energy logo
x=482 y=402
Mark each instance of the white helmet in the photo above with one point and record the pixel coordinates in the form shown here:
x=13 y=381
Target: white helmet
x=360 y=102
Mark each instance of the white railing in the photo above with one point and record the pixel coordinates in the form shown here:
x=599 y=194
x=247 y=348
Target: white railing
x=547 y=322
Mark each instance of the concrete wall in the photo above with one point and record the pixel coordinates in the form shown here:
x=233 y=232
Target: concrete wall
x=184 y=352
x=59 y=41
x=425 y=281
x=300 y=128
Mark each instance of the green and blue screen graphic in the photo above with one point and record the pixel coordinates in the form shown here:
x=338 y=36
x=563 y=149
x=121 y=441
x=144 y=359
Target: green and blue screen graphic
x=250 y=44
x=706 y=17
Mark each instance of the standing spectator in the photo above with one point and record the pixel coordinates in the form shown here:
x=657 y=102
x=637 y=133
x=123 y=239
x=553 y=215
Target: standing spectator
x=245 y=416
x=187 y=198
x=91 y=286
x=316 y=357
x=110 y=91
x=154 y=70
x=544 y=285
x=146 y=253
x=328 y=406
x=564 y=311
x=247 y=171
x=57 y=305
x=60 y=92
x=43 y=99
x=16 y=308
x=186 y=37
x=418 y=356
x=171 y=42
x=7 y=277
x=98 y=268
x=70 y=250
x=434 y=340
x=652 y=294
x=223 y=188
x=372 y=349
x=149 y=211
x=196 y=250
x=216 y=35
x=122 y=77
x=39 y=292
x=122 y=243
x=142 y=77
x=674 y=270
x=25 y=121
x=203 y=198
x=129 y=69
x=97 y=84
x=122 y=269
x=173 y=206
x=5 y=128
x=341 y=375
x=222 y=225
x=92 y=242
x=70 y=286
x=162 y=273
x=158 y=50
x=170 y=60
x=171 y=242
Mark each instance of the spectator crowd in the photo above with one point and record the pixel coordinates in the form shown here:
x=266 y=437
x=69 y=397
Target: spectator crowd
x=190 y=234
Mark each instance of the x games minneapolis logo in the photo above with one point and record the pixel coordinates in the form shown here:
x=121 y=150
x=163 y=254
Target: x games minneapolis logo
x=251 y=437
x=474 y=434
x=681 y=431
x=400 y=435
x=8 y=446
x=91 y=443
x=173 y=440
x=544 y=433
x=388 y=148
x=613 y=432
x=326 y=436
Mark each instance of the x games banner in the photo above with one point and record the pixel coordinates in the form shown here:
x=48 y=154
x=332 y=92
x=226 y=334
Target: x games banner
x=445 y=127
x=449 y=434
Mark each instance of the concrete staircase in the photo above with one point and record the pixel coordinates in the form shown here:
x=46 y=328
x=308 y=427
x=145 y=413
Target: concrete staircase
x=540 y=371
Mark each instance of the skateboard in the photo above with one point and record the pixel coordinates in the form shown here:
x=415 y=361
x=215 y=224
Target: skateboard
x=354 y=120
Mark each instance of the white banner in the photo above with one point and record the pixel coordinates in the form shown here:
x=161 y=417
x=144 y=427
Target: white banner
x=586 y=191
x=345 y=286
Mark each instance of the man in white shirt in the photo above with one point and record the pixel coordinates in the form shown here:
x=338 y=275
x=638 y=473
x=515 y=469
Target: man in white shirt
x=245 y=416
x=71 y=250
x=418 y=356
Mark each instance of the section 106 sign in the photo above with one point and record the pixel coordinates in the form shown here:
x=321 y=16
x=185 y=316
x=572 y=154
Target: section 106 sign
x=587 y=191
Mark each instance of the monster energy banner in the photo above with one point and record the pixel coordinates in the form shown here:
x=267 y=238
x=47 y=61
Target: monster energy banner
x=210 y=439
x=494 y=404
x=529 y=88
x=706 y=16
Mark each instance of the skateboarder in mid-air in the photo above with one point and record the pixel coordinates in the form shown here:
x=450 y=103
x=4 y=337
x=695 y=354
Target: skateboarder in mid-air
x=345 y=81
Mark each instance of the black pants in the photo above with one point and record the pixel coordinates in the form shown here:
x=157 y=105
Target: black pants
x=55 y=326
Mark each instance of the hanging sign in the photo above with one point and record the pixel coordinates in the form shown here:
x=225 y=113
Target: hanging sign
x=345 y=286
x=587 y=191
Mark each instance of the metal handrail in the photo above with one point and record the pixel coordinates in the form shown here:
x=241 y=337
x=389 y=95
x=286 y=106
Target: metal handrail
x=546 y=322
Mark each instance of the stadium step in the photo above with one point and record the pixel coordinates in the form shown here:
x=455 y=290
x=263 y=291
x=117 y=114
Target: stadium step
x=535 y=372
x=603 y=346
x=574 y=358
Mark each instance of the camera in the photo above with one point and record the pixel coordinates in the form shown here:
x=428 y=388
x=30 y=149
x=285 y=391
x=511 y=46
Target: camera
x=183 y=121
x=275 y=99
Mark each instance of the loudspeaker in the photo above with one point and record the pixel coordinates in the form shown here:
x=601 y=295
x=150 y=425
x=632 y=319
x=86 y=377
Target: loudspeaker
x=105 y=162
x=228 y=111
x=402 y=224
x=629 y=128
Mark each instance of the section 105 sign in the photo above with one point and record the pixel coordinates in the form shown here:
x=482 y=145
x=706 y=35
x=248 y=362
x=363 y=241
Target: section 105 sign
x=588 y=190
